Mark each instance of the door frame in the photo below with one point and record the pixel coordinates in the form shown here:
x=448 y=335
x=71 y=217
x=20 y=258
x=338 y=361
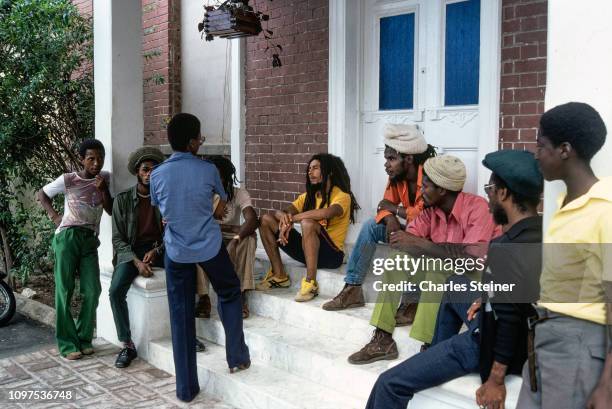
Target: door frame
x=345 y=53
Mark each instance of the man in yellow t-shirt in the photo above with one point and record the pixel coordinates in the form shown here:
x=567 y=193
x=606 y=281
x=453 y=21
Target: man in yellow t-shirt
x=573 y=358
x=324 y=212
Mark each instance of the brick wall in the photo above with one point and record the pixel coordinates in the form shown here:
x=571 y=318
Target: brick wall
x=286 y=107
x=84 y=6
x=523 y=72
x=161 y=51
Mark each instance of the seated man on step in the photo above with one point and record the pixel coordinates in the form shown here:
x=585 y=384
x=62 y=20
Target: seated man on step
x=324 y=212
x=496 y=339
x=453 y=225
x=405 y=152
x=239 y=239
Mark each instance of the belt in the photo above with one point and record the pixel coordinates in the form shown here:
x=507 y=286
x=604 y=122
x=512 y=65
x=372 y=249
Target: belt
x=542 y=315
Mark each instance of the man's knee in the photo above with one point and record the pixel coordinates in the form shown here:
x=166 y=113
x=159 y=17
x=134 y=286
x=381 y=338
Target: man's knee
x=117 y=293
x=268 y=221
x=309 y=226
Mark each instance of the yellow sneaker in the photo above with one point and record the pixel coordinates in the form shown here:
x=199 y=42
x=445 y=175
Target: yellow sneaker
x=308 y=290
x=269 y=282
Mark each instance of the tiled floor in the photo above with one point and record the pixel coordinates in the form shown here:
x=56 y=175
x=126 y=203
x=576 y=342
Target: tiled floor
x=94 y=381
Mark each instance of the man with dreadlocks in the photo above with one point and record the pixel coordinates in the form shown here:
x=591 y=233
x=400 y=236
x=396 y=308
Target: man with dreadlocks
x=239 y=239
x=324 y=212
x=405 y=152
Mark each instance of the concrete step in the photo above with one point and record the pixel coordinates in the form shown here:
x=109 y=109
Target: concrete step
x=323 y=360
x=350 y=325
x=259 y=387
x=301 y=352
x=330 y=281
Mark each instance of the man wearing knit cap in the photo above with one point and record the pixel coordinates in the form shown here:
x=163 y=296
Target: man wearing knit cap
x=137 y=243
x=405 y=152
x=453 y=225
x=496 y=338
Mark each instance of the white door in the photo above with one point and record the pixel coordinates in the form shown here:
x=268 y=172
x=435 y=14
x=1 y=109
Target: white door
x=420 y=65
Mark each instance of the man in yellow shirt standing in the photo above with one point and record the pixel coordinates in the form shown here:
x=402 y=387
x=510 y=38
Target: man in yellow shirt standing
x=324 y=212
x=572 y=365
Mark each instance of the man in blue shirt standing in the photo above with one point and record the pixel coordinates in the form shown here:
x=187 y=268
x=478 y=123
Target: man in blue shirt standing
x=183 y=188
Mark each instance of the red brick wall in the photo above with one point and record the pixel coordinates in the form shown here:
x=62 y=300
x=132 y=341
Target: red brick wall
x=84 y=6
x=161 y=51
x=523 y=72
x=286 y=107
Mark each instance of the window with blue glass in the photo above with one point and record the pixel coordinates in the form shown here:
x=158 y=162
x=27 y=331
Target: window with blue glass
x=396 y=80
x=462 y=53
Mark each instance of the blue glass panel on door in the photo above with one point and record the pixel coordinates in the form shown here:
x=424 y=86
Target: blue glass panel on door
x=396 y=81
x=462 y=53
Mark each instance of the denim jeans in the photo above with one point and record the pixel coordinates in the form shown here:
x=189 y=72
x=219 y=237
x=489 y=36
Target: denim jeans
x=361 y=256
x=450 y=356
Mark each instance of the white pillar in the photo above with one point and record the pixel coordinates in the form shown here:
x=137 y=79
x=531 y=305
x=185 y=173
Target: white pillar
x=118 y=84
x=578 y=69
x=118 y=94
x=238 y=107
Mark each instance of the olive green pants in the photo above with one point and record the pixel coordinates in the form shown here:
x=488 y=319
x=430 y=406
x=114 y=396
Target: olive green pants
x=76 y=249
x=387 y=301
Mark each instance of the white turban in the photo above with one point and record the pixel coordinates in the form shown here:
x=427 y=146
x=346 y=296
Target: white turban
x=406 y=139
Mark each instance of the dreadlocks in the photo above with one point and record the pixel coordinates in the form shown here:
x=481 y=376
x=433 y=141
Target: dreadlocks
x=227 y=170
x=420 y=158
x=332 y=169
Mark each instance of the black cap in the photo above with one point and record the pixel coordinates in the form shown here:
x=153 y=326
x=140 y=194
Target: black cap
x=518 y=169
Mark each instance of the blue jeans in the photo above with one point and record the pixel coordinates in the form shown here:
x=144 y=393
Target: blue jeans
x=450 y=356
x=361 y=256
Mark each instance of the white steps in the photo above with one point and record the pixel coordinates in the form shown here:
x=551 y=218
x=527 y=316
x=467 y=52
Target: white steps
x=259 y=387
x=299 y=353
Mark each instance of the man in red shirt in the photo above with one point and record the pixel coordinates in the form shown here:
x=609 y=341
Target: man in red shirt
x=405 y=152
x=454 y=225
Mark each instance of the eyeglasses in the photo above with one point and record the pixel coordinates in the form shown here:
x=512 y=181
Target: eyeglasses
x=487 y=188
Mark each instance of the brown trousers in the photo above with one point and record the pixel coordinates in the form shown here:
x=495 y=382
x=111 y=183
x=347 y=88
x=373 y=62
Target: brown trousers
x=242 y=255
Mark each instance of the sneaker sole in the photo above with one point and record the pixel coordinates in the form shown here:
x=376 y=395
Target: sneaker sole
x=305 y=300
x=358 y=305
x=388 y=357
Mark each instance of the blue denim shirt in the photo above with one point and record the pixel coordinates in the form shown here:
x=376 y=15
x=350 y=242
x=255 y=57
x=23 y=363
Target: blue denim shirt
x=183 y=187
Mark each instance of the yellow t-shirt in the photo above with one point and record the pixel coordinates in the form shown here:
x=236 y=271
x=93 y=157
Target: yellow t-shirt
x=337 y=226
x=577 y=255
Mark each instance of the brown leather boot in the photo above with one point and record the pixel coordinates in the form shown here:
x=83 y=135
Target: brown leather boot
x=382 y=346
x=351 y=296
x=405 y=314
x=203 y=307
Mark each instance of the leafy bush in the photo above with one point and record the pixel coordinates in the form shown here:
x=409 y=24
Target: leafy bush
x=46 y=109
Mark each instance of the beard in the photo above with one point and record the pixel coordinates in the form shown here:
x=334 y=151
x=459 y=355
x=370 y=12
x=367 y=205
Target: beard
x=316 y=186
x=499 y=215
x=142 y=182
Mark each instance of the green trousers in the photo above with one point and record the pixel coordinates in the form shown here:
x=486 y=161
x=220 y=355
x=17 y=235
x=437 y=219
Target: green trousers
x=123 y=276
x=387 y=302
x=76 y=249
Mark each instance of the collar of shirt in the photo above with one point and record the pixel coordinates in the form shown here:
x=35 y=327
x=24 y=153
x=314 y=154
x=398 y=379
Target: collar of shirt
x=180 y=155
x=458 y=209
x=528 y=223
x=601 y=190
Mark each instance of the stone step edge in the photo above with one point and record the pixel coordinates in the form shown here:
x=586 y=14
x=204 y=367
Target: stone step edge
x=215 y=355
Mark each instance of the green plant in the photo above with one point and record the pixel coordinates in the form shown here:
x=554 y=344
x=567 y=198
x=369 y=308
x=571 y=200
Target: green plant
x=46 y=109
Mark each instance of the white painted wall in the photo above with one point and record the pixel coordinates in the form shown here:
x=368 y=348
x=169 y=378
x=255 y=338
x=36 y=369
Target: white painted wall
x=118 y=96
x=579 y=69
x=205 y=76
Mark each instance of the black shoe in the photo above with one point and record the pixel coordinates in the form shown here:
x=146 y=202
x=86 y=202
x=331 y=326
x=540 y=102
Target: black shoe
x=125 y=357
x=200 y=347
